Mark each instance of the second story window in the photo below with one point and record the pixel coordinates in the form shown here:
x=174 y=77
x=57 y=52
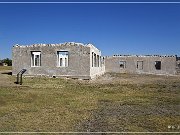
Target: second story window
x=62 y=58
x=35 y=59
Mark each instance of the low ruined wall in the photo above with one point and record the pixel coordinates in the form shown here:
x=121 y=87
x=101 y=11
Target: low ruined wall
x=168 y=64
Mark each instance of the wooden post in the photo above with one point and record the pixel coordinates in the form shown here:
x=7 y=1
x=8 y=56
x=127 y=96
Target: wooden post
x=18 y=78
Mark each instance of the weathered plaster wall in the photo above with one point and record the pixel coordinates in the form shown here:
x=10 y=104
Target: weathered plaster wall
x=81 y=61
x=78 y=67
x=168 y=64
x=178 y=66
x=96 y=70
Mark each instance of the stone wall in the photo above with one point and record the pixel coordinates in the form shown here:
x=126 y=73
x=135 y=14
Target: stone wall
x=168 y=64
x=86 y=62
x=78 y=61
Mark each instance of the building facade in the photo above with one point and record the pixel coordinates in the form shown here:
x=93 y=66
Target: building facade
x=76 y=60
x=73 y=60
x=148 y=64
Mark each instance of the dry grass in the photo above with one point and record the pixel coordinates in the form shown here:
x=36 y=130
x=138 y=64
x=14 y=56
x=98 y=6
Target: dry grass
x=53 y=104
x=5 y=68
x=44 y=104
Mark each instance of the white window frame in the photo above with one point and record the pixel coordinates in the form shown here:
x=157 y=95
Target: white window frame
x=122 y=63
x=64 y=58
x=33 y=56
x=138 y=65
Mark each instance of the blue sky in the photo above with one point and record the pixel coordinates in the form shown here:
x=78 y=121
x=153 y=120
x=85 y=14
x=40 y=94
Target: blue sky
x=113 y=28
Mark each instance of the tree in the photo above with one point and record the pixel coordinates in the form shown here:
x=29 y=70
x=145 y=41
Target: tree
x=7 y=61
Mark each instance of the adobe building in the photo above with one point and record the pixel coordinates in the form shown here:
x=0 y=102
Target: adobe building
x=178 y=65
x=76 y=60
x=148 y=64
x=73 y=60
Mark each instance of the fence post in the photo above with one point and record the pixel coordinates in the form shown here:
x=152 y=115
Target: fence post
x=20 y=73
x=21 y=80
x=18 y=78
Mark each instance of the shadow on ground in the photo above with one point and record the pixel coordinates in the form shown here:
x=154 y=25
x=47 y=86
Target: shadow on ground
x=7 y=73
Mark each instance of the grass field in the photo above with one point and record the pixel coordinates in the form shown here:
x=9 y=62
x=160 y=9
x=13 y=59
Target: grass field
x=5 y=68
x=113 y=102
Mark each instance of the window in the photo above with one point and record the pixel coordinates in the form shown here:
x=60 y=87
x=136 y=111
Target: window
x=122 y=64
x=97 y=60
x=158 y=65
x=102 y=60
x=178 y=65
x=62 y=58
x=66 y=62
x=92 y=59
x=60 y=64
x=140 y=65
x=35 y=59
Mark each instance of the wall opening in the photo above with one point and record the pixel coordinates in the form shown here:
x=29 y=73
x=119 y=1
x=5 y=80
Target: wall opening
x=36 y=59
x=122 y=64
x=62 y=58
x=158 y=65
x=92 y=59
x=95 y=62
x=60 y=63
x=178 y=65
x=102 y=61
x=66 y=62
x=140 y=65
